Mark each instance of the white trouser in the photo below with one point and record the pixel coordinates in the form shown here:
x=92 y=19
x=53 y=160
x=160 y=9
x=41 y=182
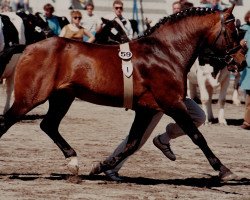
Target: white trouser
x=173 y=130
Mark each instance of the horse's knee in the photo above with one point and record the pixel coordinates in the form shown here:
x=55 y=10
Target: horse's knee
x=44 y=125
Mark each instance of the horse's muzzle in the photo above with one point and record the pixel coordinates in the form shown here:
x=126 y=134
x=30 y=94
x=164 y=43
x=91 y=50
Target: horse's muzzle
x=233 y=65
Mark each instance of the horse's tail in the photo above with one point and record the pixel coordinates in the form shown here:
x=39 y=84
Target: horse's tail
x=7 y=53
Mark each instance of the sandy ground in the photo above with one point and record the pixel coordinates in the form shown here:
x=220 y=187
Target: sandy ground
x=32 y=167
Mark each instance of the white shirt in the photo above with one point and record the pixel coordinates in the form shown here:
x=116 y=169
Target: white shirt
x=91 y=22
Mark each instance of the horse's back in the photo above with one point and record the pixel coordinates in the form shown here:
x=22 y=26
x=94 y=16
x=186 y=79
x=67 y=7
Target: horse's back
x=67 y=62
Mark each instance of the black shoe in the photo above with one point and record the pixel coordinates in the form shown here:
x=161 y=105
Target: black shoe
x=165 y=148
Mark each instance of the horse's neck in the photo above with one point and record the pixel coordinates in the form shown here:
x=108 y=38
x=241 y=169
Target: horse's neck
x=183 y=39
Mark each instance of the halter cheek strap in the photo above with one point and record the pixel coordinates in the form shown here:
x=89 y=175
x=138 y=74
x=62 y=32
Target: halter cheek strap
x=127 y=69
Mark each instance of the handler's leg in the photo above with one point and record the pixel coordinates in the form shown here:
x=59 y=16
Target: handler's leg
x=246 y=123
x=173 y=130
x=113 y=173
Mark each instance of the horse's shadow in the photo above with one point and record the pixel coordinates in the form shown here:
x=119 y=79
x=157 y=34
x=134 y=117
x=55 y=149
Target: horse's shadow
x=30 y=117
x=208 y=182
x=230 y=122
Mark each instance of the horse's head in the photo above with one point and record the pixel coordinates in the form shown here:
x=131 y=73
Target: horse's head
x=224 y=41
x=111 y=33
x=36 y=29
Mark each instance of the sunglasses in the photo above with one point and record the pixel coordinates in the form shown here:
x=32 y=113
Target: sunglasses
x=121 y=8
x=77 y=18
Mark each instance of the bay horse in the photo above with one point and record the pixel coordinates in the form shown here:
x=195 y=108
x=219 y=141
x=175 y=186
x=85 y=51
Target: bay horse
x=161 y=60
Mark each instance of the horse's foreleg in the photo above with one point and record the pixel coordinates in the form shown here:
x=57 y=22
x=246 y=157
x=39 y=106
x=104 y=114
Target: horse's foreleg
x=59 y=103
x=142 y=127
x=183 y=119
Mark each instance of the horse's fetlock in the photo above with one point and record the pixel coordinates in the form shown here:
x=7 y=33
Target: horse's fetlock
x=69 y=153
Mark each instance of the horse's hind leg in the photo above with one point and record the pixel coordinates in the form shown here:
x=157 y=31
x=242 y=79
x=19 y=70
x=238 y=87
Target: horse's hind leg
x=183 y=119
x=59 y=103
x=14 y=114
x=143 y=125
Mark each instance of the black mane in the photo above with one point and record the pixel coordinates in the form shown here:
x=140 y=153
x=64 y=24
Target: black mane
x=194 y=11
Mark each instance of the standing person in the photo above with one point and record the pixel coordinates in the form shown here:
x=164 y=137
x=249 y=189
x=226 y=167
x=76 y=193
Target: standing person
x=176 y=7
x=117 y=15
x=245 y=75
x=5 y=6
x=162 y=141
x=52 y=20
x=90 y=21
x=74 y=30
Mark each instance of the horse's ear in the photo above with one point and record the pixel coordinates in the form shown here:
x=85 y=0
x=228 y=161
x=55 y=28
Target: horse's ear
x=105 y=21
x=229 y=11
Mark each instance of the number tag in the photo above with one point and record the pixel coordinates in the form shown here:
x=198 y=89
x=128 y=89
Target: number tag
x=125 y=55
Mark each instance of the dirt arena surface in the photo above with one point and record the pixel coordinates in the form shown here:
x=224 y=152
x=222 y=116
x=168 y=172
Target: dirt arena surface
x=33 y=167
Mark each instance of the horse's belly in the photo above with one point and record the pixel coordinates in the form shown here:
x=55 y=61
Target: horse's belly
x=99 y=99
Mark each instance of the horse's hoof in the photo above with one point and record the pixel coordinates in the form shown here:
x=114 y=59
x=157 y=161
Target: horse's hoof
x=96 y=169
x=73 y=165
x=223 y=123
x=226 y=175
